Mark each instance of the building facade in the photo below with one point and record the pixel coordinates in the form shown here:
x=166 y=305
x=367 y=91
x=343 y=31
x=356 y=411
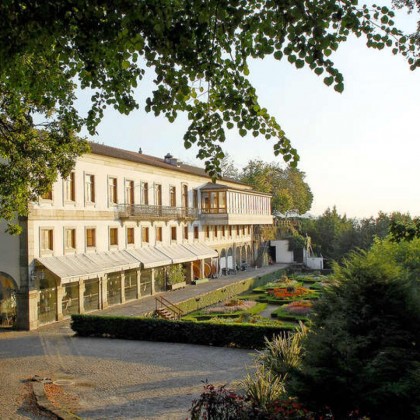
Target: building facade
x=122 y=226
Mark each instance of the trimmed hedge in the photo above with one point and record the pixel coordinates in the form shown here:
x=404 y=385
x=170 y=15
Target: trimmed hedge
x=149 y=329
x=228 y=291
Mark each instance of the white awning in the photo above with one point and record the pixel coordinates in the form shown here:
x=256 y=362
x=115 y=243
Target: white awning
x=201 y=251
x=84 y=266
x=114 y=260
x=70 y=267
x=177 y=253
x=150 y=257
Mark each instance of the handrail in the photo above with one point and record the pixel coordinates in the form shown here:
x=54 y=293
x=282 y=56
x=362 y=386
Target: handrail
x=169 y=305
x=156 y=212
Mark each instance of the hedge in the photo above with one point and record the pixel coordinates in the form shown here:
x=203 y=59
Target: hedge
x=150 y=329
x=219 y=295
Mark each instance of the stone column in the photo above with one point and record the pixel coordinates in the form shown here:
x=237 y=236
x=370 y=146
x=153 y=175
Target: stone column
x=138 y=284
x=122 y=279
x=190 y=272
x=81 y=297
x=202 y=262
x=27 y=309
x=60 y=295
x=153 y=281
x=103 y=285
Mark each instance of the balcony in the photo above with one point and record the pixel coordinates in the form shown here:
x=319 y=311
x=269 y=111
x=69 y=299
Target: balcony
x=150 y=213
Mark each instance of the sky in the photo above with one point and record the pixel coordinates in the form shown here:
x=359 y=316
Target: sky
x=360 y=150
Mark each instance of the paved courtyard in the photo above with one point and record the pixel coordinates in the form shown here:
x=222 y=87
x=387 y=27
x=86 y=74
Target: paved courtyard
x=116 y=379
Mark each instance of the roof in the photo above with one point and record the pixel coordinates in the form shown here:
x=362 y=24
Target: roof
x=103 y=150
x=220 y=187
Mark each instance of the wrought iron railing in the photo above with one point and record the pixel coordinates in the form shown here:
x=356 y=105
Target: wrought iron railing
x=161 y=302
x=149 y=212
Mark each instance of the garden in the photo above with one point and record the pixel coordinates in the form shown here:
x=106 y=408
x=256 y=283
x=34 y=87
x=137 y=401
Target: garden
x=284 y=301
x=357 y=358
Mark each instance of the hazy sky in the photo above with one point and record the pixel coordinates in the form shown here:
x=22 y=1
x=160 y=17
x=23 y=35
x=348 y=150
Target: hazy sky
x=360 y=149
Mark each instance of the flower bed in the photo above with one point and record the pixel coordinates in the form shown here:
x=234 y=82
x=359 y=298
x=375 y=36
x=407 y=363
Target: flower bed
x=288 y=292
x=299 y=307
x=233 y=305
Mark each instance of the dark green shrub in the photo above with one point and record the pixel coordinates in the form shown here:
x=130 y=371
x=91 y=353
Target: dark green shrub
x=363 y=351
x=205 y=333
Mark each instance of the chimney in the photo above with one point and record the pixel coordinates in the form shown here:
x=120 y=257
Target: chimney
x=140 y=150
x=171 y=160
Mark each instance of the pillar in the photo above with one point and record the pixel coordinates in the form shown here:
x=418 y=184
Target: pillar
x=60 y=295
x=103 y=285
x=81 y=296
x=138 y=284
x=122 y=280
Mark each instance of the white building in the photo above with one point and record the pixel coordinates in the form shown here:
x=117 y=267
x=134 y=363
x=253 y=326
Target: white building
x=116 y=228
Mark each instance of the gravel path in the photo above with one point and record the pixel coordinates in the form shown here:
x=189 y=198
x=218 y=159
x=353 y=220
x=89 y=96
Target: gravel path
x=113 y=379
x=116 y=379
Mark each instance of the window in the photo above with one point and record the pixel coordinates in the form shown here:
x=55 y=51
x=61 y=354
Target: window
x=237 y=230
x=113 y=236
x=129 y=192
x=243 y=230
x=112 y=190
x=144 y=193
x=172 y=196
x=90 y=237
x=186 y=232
x=90 y=188
x=158 y=234
x=158 y=196
x=249 y=229
x=195 y=199
x=70 y=238
x=213 y=201
x=215 y=232
x=173 y=233
x=223 y=231
x=185 y=195
x=130 y=235
x=69 y=188
x=145 y=234
x=207 y=231
x=195 y=232
x=230 y=231
x=47 y=240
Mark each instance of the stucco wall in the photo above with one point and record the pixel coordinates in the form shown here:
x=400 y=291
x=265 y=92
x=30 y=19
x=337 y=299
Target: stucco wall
x=283 y=255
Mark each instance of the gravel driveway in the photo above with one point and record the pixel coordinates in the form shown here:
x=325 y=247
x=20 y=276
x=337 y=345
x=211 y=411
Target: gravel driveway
x=111 y=379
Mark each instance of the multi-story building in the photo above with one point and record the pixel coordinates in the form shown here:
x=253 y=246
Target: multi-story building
x=118 y=228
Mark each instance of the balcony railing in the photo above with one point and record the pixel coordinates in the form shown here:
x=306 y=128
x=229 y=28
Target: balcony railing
x=146 y=212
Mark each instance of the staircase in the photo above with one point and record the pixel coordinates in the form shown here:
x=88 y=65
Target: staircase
x=165 y=314
x=166 y=309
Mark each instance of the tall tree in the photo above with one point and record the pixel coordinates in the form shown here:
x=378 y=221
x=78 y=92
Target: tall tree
x=199 y=51
x=287 y=186
x=228 y=168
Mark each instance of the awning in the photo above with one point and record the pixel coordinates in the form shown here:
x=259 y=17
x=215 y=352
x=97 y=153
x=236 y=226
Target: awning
x=201 y=251
x=83 y=266
x=114 y=260
x=150 y=257
x=71 y=267
x=177 y=253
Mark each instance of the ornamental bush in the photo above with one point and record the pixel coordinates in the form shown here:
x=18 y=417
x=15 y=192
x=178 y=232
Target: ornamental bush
x=363 y=350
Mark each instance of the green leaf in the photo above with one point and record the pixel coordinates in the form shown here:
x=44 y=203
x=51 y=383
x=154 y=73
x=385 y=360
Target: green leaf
x=339 y=87
x=328 y=80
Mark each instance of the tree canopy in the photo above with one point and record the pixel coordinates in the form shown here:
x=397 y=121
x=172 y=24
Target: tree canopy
x=286 y=185
x=199 y=51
